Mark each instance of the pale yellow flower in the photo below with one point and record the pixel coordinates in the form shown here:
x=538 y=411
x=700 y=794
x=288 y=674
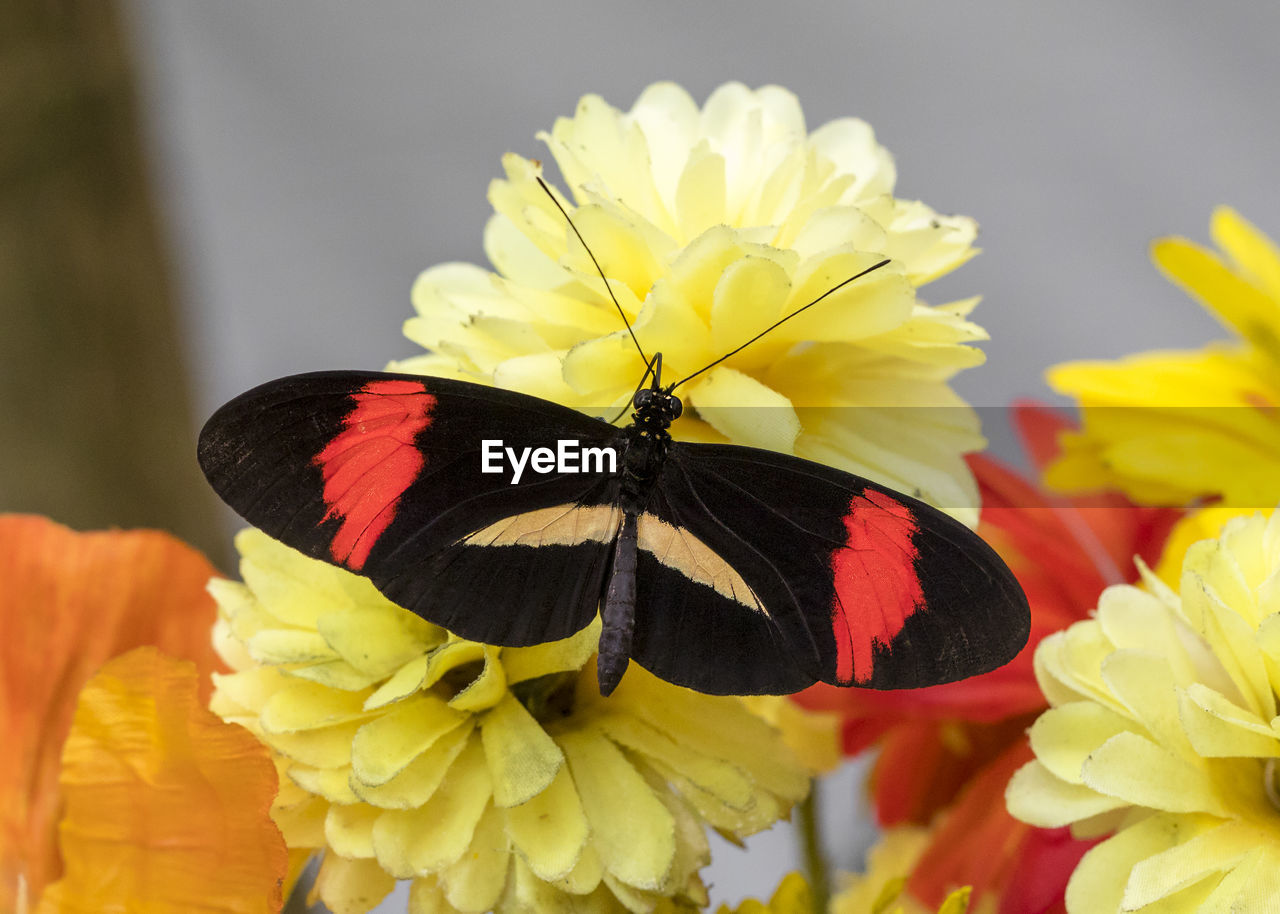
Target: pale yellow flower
x=491 y=777
x=1163 y=729
x=711 y=224
x=877 y=891
x=1168 y=427
x=880 y=890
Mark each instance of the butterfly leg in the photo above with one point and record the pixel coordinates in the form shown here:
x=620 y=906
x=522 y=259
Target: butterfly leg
x=618 y=616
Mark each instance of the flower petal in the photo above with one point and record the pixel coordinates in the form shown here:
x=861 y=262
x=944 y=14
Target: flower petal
x=523 y=760
x=1035 y=796
x=550 y=830
x=166 y=805
x=69 y=601
x=770 y=422
x=436 y=834
x=350 y=886
x=1186 y=863
x=476 y=881
x=387 y=744
x=630 y=829
x=414 y=784
x=1138 y=771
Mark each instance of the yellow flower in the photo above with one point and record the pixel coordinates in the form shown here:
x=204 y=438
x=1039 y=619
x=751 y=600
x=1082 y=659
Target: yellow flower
x=1167 y=427
x=1163 y=728
x=881 y=889
x=492 y=777
x=878 y=891
x=792 y=896
x=712 y=224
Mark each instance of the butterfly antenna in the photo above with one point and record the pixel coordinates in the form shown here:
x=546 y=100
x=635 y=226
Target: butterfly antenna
x=607 y=287
x=773 y=326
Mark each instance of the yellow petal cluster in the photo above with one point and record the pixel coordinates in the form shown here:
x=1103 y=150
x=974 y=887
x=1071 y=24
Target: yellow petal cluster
x=711 y=224
x=1167 y=427
x=492 y=777
x=1163 y=729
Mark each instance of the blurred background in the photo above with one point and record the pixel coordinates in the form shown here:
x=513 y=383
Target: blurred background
x=198 y=197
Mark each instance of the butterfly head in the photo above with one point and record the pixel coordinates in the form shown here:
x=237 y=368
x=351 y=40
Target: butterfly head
x=654 y=403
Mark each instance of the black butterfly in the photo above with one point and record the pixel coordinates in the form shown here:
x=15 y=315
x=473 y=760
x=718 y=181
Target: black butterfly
x=730 y=570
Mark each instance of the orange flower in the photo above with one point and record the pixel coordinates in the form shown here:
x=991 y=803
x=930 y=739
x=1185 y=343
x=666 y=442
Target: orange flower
x=959 y=743
x=68 y=602
x=166 y=805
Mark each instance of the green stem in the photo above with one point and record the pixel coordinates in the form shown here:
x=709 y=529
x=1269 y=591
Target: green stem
x=815 y=860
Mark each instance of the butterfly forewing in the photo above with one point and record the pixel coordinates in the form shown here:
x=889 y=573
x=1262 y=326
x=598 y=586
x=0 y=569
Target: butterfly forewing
x=382 y=474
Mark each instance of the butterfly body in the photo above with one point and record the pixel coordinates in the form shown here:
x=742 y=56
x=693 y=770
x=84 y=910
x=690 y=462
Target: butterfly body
x=645 y=444
x=727 y=569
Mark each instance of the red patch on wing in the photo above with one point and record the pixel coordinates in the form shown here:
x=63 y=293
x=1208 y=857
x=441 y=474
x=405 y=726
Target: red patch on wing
x=876 y=587
x=369 y=464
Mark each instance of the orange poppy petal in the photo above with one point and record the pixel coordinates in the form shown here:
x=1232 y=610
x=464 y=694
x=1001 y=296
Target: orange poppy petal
x=70 y=601
x=167 y=806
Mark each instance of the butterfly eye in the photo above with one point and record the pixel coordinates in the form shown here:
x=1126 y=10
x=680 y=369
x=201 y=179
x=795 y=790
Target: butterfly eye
x=642 y=398
x=674 y=407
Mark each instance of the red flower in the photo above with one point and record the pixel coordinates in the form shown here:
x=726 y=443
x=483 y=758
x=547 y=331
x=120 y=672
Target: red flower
x=953 y=747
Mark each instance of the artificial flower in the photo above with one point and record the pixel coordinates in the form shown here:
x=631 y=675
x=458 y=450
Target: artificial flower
x=1163 y=730
x=883 y=888
x=69 y=602
x=878 y=891
x=492 y=777
x=793 y=896
x=1169 y=427
x=166 y=805
x=953 y=747
x=711 y=224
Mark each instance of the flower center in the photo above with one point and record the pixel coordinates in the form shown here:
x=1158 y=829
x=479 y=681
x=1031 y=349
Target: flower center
x=458 y=678
x=547 y=698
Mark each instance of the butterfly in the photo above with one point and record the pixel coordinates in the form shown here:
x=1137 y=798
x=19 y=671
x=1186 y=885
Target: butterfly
x=513 y=520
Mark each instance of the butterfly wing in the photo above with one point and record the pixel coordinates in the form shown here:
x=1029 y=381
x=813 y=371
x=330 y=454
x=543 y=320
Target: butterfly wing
x=763 y=573
x=383 y=474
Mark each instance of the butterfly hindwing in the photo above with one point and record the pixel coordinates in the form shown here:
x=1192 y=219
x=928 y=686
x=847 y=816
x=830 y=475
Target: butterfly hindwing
x=850 y=583
x=382 y=474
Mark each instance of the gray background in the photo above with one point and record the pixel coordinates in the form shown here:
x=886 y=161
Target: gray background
x=315 y=156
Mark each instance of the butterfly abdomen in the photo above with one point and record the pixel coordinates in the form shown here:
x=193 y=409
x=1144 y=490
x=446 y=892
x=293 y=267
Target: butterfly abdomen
x=618 y=614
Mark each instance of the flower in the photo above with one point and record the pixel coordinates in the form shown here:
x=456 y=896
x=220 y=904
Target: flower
x=1163 y=729
x=493 y=777
x=793 y=896
x=1168 y=427
x=878 y=891
x=882 y=889
x=951 y=749
x=711 y=225
x=166 y=805
x=69 y=602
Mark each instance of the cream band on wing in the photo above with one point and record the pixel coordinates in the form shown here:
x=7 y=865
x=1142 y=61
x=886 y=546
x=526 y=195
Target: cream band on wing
x=570 y=525
x=679 y=549
x=559 y=525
